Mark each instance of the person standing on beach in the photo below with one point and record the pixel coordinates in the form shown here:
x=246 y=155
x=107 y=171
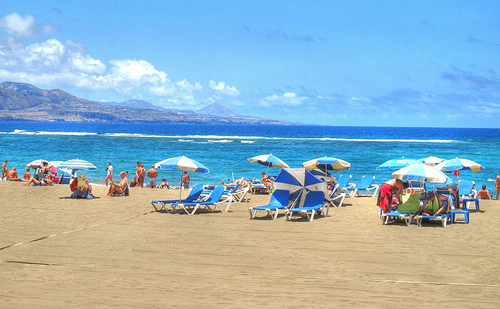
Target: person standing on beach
x=4 y=169
x=152 y=174
x=185 y=180
x=109 y=176
x=141 y=174
x=497 y=186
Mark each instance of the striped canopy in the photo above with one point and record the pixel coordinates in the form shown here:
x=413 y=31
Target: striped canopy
x=183 y=163
x=269 y=160
x=78 y=164
x=421 y=172
x=460 y=164
x=326 y=164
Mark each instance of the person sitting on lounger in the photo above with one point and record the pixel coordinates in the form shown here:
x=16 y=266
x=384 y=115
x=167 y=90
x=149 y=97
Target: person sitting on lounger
x=12 y=175
x=242 y=181
x=47 y=181
x=433 y=205
x=119 y=187
x=268 y=182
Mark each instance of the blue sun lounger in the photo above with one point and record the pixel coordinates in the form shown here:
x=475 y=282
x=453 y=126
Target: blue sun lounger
x=213 y=200
x=444 y=217
x=279 y=200
x=193 y=196
x=365 y=185
x=312 y=204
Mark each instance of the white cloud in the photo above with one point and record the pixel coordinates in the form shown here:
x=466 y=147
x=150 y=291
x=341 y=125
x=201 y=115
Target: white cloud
x=68 y=64
x=287 y=99
x=24 y=27
x=224 y=89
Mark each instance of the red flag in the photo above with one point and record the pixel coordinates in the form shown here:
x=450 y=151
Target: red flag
x=457 y=173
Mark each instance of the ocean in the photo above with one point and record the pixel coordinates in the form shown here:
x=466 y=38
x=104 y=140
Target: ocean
x=225 y=148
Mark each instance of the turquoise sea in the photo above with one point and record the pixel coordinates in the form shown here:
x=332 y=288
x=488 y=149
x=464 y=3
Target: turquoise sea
x=226 y=148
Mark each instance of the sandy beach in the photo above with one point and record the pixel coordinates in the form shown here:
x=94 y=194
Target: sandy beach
x=118 y=252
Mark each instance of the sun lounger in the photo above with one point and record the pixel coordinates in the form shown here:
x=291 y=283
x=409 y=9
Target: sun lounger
x=444 y=217
x=313 y=203
x=213 y=201
x=467 y=194
x=194 y=195
x=409 y=206
x=365 y=185
x=344 y=183
x=279 y=200
x=259 y=188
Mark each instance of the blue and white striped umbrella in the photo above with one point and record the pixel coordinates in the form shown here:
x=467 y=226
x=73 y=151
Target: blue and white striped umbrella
x=299 y=181
x=326 y=164
x=78 y=164
x=396 y=164
x=269 y=160
x=183 y=163
x=421 y=172
x=460 y=164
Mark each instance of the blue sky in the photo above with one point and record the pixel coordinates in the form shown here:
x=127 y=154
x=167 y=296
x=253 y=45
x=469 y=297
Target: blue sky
x=358 y=63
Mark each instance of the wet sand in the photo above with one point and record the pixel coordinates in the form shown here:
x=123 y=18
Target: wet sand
x=118 y=252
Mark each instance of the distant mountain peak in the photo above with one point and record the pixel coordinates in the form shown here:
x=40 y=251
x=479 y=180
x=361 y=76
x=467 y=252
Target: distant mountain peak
x=216 y=109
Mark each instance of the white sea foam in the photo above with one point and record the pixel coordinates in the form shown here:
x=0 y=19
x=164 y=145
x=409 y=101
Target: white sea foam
x=185 y=140
x=220 y=141
x=229 y=138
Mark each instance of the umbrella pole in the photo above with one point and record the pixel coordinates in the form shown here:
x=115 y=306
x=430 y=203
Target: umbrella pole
x=180 y=191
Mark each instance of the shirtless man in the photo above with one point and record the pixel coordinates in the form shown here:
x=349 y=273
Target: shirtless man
x=152 y=174
x=4 y=169
x=185 y=180
x=27 y=174
x=497 y=186
x=118 y=187
x=12 y=175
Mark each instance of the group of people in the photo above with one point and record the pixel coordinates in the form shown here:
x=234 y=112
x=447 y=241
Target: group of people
x=391 y=195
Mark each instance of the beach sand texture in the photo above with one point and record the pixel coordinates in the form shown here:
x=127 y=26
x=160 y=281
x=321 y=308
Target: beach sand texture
x=117 y=252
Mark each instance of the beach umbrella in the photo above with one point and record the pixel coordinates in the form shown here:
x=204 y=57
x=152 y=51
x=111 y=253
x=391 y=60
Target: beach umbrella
x=420 y=172
x=298 y=182
x=432 y=161
x=36 y=163
x=269 y=160
x=182 y=163
x=396 y=164
x=75 y=165
x=326 y=164
x=460 y=164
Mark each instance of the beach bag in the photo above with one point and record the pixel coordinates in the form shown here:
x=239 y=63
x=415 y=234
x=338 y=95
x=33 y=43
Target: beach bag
x=73 y=185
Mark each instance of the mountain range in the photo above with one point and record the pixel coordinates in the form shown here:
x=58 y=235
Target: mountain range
x=25 y=102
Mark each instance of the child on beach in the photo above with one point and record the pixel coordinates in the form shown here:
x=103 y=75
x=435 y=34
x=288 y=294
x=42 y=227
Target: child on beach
x=483 y=193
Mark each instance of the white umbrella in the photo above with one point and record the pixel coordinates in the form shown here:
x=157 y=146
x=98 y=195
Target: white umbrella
x=432 y=161
x=36 y=163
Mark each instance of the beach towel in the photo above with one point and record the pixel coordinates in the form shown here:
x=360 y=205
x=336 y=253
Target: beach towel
x=410 y=203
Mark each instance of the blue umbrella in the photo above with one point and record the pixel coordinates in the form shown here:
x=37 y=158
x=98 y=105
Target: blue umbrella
x=182 y=163
x=396 y=164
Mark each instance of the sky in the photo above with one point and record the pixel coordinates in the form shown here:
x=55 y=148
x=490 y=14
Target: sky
x=421 y=63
